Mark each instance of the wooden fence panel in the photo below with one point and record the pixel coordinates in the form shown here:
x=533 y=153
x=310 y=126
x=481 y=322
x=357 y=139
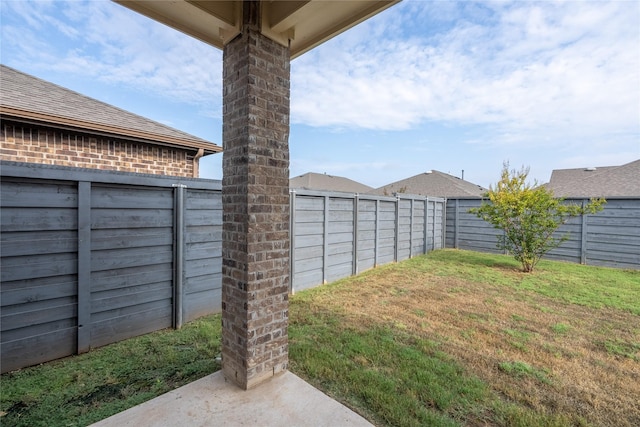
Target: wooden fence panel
x=366 y=234
x=386 y=232
x=37 y=271
x=119 y=312
x=336 y=235
x=308 y=235
x=404 y=229
x=418 y=228
x=89 y=258
x=609 y=238
x=613 y=235
x=340 y=238
x=203 y=253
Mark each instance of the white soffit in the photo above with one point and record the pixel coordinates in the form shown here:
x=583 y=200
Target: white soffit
x=303 y=23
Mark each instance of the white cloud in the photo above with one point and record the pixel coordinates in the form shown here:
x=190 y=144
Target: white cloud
x=503 y=76
x=528 y=70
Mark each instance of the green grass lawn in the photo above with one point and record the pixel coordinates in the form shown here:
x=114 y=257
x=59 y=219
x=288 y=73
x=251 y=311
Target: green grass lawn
x=80 y=390
x=450 y=338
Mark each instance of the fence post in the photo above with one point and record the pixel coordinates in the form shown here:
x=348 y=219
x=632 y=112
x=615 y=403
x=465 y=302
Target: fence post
x=456 y=225
x=292 y=239
x=425 y=246
x=583 y=231
x=397 y=246
x=356 y=207
x=411 y=230
x=443 y=238
x=84 y=267
x=178 y=253
x=377 y=237
x=433 y=230
x=325 y=252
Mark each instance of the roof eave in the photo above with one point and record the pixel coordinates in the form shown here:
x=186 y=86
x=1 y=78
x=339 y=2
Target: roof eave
x=105 y=130
x=299 y=24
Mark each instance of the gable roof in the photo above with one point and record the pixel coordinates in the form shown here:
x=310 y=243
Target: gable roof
x=29 y=99
x=433 y=184
x=318 y=181
x=609 y=181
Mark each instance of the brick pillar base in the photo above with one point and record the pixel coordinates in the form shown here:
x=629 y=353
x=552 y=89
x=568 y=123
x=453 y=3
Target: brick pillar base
x=255 y=197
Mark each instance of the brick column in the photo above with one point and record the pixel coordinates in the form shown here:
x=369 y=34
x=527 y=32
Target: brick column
x=255 y=197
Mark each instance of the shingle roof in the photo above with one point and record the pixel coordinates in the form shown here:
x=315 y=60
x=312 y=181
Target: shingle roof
x=318 y=181
x=433 y=184
x=27 y=98
x=609 y=181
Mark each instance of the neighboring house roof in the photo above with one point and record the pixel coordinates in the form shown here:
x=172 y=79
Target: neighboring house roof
x=609 y=181
x=318 y=181
x=28 y=99
x=433 y=184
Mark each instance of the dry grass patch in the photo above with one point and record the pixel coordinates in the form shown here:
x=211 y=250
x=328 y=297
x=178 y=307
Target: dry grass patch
x=539 y=352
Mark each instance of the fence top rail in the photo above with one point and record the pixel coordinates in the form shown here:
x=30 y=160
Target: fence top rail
x=65 y=173
x=362 y=196
x=335 y=194
x=484 y=199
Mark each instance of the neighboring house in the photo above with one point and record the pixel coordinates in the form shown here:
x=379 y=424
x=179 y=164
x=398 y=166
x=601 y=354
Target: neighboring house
x=318 y=181
x=608 y=181
x=48 y=124
x=434 y=184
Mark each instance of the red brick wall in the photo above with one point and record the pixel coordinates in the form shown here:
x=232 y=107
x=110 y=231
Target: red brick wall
x=23 y=143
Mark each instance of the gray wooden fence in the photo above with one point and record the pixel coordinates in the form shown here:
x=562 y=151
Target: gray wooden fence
x=91 y=257
x=335 y=235
x=610 y=238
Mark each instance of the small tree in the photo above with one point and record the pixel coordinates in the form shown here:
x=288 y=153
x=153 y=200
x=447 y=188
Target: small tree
x=529 y=216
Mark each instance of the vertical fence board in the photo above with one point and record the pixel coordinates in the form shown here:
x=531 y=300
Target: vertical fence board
x=377 y=236
x=84 y=266
x=292 y=239
x=356 y=237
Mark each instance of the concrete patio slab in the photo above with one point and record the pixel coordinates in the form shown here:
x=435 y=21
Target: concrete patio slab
x=285 y=400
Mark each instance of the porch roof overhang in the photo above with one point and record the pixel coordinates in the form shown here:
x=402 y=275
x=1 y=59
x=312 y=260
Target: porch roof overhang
x=300 y=24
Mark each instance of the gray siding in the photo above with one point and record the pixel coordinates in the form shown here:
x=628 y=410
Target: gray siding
x=89 y=258
x=610 y=238
x=336 y=235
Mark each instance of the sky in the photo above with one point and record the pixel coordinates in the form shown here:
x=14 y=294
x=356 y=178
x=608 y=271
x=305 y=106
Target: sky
x=450 y=86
